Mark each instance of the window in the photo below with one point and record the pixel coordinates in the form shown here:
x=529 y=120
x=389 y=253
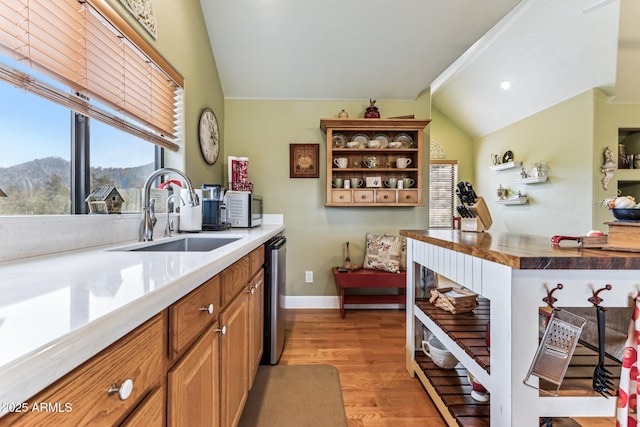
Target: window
x=82 y=96
x=443 y=174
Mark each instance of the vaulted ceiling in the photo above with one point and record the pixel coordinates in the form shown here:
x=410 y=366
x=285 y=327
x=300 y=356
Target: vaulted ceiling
x=463 y=50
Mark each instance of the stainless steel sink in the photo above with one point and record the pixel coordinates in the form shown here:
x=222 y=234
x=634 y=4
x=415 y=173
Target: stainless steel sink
x=185 y=244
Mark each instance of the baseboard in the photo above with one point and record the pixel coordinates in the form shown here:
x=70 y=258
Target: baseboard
x=324 y=302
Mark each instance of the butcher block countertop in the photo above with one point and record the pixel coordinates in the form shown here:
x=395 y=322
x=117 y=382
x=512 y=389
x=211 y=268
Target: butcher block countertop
x=527 y=252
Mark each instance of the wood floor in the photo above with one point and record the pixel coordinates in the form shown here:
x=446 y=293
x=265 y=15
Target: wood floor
x=367 y=347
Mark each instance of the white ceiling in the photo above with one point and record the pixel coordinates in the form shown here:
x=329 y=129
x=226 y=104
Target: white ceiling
x=549 y=50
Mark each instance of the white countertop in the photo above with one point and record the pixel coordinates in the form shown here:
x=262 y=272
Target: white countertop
x=57 y=311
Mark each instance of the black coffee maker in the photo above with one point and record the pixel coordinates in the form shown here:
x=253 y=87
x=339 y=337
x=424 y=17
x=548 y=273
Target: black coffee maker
x=213 y=209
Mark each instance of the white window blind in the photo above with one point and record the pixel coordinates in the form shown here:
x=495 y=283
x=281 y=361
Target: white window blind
x=443 y=175
x=88 y=48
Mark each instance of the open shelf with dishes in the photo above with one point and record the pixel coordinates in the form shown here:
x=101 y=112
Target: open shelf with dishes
x=374 y=162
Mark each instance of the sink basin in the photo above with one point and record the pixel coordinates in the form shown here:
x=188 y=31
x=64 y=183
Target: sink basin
x=186 y=244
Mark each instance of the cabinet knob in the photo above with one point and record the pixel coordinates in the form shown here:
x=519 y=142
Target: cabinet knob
x=124 y=391
x=208 y=308
x=256 y=286
x=251 y=291
x=341 y=196
x=222 y=330
x=385 y=196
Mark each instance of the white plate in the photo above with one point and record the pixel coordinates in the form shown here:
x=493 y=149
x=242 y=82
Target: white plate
x=361 y=138
x=405 y=139
x=384 y=140
x=339 y=140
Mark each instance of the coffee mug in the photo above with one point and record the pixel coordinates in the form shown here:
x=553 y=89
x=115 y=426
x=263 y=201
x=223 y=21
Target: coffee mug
x=347 y=183
x=371 y=162
x=391 y=182
x=400 y=183
x=403 y=162
x=408 y=182
x=337 y=182
x=341 y=162
x=439 y=354
x=356 y=182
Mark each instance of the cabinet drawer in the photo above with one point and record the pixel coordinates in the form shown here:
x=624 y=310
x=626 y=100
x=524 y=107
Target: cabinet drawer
x=234 y=279
x=341 y=196
x=256 y=260
x=363 y=196
x=385 y=196
x=190 y=316
x=407 y=196
x=138 y=357
x=150 y=413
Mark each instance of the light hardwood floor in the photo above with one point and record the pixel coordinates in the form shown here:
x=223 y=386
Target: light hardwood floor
x=367 y=348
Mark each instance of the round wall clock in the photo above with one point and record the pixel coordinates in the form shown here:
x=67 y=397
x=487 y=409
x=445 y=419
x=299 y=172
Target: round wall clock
x=209 y=136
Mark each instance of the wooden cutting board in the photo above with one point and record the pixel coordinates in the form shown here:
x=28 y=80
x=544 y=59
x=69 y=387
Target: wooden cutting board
x=623 y=236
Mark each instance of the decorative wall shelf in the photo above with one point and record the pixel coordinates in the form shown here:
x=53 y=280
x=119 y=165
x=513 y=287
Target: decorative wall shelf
x=513 y=201
x=532 y=180
x=503 y=166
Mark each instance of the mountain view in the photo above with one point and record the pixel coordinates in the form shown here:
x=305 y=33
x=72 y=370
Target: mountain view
x=42 y=186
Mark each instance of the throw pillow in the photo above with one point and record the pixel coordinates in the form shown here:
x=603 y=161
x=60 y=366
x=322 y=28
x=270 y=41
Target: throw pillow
x=382 y=253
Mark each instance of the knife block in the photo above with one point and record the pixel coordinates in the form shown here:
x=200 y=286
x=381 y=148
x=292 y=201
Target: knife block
x=481 y=222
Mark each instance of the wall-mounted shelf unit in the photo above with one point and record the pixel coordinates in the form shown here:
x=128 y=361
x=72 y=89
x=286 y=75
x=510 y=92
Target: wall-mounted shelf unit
x=399 y=138
x=513 y=201
x=532 y=180
x=504 y=166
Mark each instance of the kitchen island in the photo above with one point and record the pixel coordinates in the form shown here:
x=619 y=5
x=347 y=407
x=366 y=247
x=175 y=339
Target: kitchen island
x=512 y=273
x=58 y=311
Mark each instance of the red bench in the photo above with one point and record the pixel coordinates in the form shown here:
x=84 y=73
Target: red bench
x=366 y=278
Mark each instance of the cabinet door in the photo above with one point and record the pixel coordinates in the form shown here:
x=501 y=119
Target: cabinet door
x=256 y=324
x=234 y=347
x=193 y=385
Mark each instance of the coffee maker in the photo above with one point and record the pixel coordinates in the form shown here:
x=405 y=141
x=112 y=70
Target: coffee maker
x=213 y=208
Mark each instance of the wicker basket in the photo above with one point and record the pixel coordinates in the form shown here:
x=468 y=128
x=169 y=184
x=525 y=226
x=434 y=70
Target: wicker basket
x=454 y=300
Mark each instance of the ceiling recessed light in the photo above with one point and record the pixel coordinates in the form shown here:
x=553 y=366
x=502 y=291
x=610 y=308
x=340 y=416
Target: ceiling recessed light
x=505 y=85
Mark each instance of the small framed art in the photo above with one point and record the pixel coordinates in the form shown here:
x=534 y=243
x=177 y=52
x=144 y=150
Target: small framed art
x=304 y=160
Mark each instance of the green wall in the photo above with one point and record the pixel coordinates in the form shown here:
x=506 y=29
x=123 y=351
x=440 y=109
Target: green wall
x=263 y=130
x=561 y=137
x=457 y=145
x=183 y=41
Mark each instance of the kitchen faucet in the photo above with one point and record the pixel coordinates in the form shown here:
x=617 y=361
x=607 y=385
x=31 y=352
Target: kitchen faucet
x=149 y=219
x=168 y=228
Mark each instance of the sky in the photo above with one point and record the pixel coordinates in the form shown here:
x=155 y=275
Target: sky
x=34 y=128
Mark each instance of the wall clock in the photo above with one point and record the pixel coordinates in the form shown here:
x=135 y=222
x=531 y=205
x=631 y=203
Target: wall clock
x=209 y=136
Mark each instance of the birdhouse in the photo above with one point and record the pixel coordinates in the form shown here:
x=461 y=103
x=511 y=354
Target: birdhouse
x=105 y=199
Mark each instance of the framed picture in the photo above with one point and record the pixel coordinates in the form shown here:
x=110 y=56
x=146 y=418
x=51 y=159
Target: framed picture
x=304 y=160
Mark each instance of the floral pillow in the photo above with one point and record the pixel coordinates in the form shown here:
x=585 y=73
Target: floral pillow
x=383 y=253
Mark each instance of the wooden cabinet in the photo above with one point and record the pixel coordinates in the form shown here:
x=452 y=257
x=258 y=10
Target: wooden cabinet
x=89 y=395
x=194 y=384
x=256 y=323
x=213 y=337
x=234 y=347
x=373 y=170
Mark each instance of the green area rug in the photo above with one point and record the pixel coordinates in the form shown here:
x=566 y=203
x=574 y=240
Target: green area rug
x=295 y=395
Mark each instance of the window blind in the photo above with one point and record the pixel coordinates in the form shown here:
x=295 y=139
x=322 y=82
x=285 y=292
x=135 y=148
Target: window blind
x=443 y=175
x=77 y=44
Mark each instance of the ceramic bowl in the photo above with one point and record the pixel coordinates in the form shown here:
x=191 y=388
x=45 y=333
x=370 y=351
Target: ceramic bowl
x=353 y=144
x=374 y=143
x=439 y=354
x=626 y=214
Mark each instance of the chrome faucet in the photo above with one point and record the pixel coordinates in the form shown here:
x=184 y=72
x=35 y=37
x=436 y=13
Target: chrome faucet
x=168 y=228
x=148 y=211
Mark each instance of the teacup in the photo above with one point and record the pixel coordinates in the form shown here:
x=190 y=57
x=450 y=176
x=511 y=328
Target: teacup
x=341 y=162
x=403 y=162
x=408 y=182
x=337 y=182
x=371 y=162
x=356 y=182
x=439 y=354
x=391 y=182
x=374 y=143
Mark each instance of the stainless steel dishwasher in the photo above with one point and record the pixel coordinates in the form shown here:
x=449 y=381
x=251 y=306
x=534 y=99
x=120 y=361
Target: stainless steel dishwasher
x=274 y=312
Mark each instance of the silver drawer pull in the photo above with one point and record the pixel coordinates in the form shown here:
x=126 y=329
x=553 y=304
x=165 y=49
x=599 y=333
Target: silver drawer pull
x=252 y=290
x=256 y=286
x=208 y=308
x=124 y=391
x=222 y=330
